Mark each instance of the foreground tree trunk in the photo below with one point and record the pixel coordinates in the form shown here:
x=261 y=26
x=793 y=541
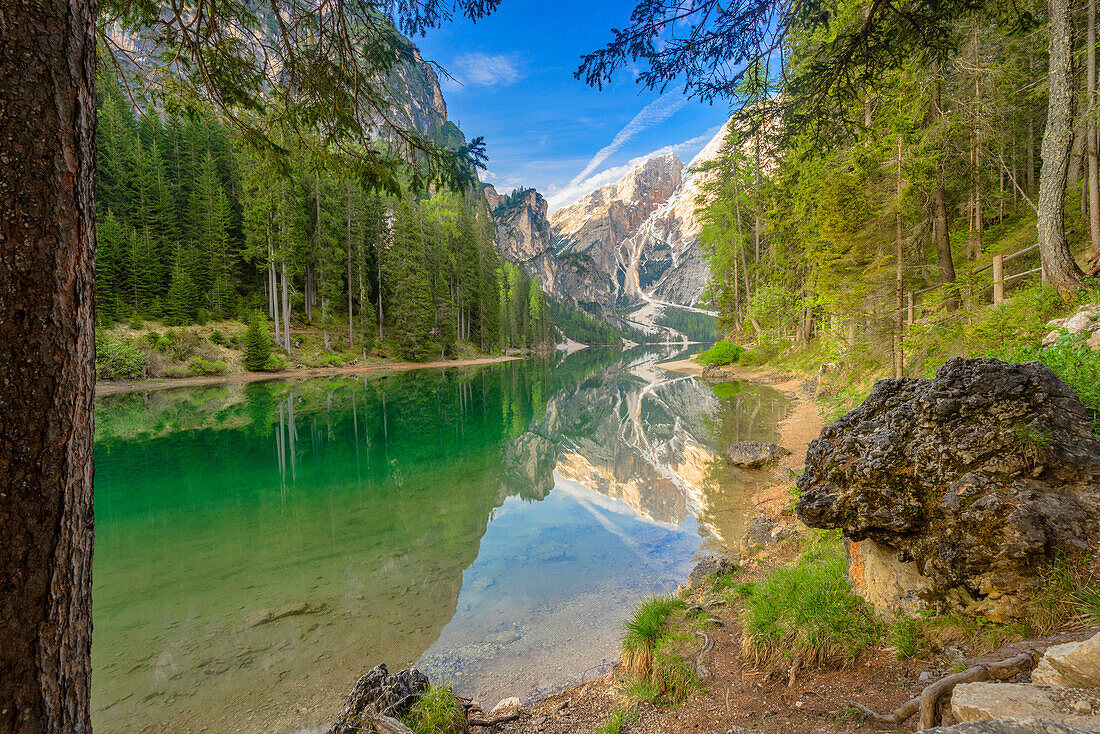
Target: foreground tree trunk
x=47 y=286
x=1090 y=131
x=1061 y=269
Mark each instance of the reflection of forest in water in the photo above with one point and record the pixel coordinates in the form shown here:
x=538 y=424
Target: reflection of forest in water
x=259 y=545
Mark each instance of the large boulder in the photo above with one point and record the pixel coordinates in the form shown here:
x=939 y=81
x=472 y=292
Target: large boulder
x=754 y=454
x=976 y=477
x=1022 y=701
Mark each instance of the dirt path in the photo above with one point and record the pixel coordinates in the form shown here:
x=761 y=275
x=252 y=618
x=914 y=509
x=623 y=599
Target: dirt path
x=114 y=388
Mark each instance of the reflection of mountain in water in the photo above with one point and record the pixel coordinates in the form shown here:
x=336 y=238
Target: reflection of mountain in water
x=259 y=546
x=638 y=433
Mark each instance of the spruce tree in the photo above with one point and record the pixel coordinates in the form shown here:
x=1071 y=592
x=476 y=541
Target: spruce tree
x=257 y=344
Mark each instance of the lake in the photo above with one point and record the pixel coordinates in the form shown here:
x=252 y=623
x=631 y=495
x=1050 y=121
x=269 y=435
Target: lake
x=261 y=545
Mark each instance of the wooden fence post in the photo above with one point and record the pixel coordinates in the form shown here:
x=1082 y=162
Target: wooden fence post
x=998 y=279
x=912 y=309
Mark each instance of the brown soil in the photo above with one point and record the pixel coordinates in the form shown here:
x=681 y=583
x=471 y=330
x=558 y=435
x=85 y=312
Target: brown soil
x=113 y=388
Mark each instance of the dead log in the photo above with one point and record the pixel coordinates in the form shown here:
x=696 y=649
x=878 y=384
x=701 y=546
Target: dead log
x=929 y=699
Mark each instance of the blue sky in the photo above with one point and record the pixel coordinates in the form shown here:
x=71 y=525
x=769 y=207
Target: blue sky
x=543 y=128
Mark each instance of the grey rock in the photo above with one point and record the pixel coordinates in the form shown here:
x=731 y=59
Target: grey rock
x=977 y=476
x=378 y=692
x=707 y=567
x=1008 y=727
x=1021 y=702
x=754 y=454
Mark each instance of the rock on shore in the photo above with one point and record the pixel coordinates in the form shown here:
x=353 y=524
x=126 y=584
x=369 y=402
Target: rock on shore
x=975 y=478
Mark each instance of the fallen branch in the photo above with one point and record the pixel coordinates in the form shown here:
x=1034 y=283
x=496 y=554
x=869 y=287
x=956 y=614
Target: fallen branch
x=494 y=722
x=929 y=699
x=708 y=643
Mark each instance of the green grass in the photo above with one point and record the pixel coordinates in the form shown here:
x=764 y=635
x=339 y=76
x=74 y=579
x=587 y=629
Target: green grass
x=906 y=636
x=640 y=689
x=616 y=721
x=437 y=712
x=644 y=630
x=807 y=610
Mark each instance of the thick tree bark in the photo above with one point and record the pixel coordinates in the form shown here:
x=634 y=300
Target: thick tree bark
x=47 y=322
x=1061 y=269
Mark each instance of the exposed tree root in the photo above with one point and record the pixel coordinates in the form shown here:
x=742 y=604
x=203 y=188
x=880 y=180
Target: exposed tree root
x=708 y=643
x=493 y=722
x=927 y=703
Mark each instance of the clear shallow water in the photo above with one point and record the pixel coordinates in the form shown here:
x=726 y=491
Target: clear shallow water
x=259 y=546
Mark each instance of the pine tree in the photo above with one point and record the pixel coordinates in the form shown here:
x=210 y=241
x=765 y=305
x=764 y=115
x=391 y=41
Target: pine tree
x=257 y=344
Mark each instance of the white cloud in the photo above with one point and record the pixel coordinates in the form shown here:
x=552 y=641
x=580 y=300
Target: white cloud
x=652 y=114
x=488 y=70
x=579 y=186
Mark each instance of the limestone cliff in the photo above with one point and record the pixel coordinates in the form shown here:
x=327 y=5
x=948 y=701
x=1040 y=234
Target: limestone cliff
x=630 y=241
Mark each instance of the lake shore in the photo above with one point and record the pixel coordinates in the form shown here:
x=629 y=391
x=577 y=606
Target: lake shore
x=105 y=387
x=737 y=696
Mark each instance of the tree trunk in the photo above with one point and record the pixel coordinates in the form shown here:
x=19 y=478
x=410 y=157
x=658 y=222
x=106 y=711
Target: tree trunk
x=47 y=338
x=351 y=321
x=943 y=242
x=1058 y=261
x=899 y=291
x=286 y=314
x=1090 y=133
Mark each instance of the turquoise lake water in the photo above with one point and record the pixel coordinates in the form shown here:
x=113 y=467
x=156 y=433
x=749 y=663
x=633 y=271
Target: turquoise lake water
x=260 y=545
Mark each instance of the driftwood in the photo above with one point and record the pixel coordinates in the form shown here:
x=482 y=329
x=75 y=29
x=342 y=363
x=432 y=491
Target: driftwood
x=388 y=725
x=494 y=722
x=708 y=643
x=927 y=703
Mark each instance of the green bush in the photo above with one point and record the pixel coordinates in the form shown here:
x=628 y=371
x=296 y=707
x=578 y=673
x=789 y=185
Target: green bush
x=200 y=366
x=1072 y=360
x=721 y=353
x=807 y=610
x=218 y=337
x=274 y=363
x=257 y=344
x=118 y=359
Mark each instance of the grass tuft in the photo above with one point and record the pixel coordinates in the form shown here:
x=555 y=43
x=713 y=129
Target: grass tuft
x=807 y=610
x=643 y=632
x=437 y=712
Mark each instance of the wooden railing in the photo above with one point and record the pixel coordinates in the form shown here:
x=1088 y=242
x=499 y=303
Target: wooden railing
x=973 y=289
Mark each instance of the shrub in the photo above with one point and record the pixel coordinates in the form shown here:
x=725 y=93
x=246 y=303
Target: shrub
x=721 y=353
x=200 y=366
x=218 y=337
x=118 y=359
x=807 y=610
x=1072 y=360
x=151 y=338
x=274 y=363
x=257 y=344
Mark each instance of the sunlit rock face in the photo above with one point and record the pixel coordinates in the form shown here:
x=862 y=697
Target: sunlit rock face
x=630 y=240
